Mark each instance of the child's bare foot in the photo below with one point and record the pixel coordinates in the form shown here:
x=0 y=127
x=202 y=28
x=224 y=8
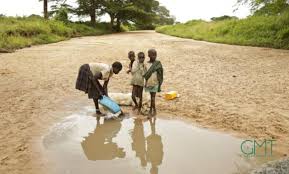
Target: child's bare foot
x=98 y=113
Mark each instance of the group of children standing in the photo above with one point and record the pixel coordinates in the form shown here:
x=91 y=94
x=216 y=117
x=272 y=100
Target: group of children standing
x=145 y=75
x=148 y=76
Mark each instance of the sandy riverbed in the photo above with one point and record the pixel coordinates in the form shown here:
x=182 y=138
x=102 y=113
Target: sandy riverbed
x=240 y=90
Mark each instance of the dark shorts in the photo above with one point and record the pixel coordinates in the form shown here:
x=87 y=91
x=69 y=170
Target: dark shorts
x=85 y=82
x=137 y=91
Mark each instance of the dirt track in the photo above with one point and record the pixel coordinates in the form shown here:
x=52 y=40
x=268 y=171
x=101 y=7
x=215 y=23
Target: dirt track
x=241 y=90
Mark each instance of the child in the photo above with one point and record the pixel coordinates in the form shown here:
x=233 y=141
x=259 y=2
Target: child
x=88 y=80
x=154 y=78
x=138 y=70
x=131 y=56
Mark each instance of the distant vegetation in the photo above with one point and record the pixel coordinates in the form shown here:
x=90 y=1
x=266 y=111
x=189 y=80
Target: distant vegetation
x=142 y=14
x=222 y=18
x=21 y=32
x=268 y=27
x=55 y=25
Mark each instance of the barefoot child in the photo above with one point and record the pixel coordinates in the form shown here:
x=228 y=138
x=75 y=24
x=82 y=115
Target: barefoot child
x=89 y=76
x=131 y=56
x=138 y=70
x=154 y=78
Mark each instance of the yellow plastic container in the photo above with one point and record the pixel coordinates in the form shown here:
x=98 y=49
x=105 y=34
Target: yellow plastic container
x=171 y=95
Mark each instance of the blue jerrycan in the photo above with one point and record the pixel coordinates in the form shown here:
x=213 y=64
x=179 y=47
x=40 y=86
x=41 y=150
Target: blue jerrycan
x=111 y=105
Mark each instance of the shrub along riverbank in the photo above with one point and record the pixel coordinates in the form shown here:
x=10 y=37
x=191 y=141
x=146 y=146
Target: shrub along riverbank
x=266 y=31
x=22 y=32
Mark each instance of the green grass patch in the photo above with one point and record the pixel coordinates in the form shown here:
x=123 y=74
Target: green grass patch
x=21 y=32
x=265 y=31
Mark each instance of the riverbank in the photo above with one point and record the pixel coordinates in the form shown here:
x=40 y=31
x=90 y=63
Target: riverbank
x=20 y=32
x=261 y=31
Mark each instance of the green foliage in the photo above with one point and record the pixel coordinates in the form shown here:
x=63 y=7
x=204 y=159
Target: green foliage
x=274 y=8
x=266 y=7
x=163 y=16
x=62 y=15
x=267 y=31
x=222 y=18
x=123 y=11
x=144 y=14
x=22 y=32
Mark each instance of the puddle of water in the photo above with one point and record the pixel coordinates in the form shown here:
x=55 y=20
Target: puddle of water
x=81 y=145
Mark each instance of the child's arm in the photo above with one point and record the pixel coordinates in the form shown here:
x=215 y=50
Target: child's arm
x=144 y=69
x=130 y=67
x=105 y=87
x=97 y=84
x=134 y=68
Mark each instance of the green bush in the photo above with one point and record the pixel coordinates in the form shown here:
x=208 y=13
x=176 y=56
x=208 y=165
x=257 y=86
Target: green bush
x=25 y=31
x=268 y=31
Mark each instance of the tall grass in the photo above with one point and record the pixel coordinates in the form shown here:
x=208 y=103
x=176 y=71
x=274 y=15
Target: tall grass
x=21 y=32
x=267 y=31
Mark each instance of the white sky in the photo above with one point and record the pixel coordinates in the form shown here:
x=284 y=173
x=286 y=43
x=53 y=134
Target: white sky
x=184 y=10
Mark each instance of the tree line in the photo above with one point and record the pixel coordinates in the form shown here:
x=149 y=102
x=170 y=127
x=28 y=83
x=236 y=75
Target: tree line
x=266 y=7
x=260 y=8
x=144 y=14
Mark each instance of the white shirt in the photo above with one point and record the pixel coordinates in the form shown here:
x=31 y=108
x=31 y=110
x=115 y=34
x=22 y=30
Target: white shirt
x=104 y=69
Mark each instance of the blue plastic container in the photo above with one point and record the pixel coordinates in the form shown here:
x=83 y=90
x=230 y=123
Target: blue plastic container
x=111 y=105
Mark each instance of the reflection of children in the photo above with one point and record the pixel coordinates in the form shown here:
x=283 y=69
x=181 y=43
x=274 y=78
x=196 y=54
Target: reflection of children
x=131 y=56
x=137 y=81
x=155 y=151
x=154 y=78
x=99 y=144
x=138 y=141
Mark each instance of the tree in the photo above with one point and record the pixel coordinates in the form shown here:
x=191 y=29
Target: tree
x=90 y=8
x=143 y=13
x=60 y=10
x=222 y=18
x=163 y=16
x=45 y=8
x=123 y=11
x=274 y=8
x=114 y=8
x=266 y=7
x=150 y=17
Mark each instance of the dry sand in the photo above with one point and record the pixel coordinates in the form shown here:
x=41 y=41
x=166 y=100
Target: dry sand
x=240 y=90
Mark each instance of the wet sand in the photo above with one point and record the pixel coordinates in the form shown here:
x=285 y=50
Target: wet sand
x=243 y=91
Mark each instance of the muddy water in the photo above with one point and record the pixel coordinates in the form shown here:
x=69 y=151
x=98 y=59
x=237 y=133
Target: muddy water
x=80 y=144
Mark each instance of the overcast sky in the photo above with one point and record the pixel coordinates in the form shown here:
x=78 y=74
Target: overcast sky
x=184 y=10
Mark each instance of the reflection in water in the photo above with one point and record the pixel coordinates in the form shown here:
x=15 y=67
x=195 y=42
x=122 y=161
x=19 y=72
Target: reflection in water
x=134 y=146
x=138 y=145
x=155 y=152
x=150 y=149
x=99 y=146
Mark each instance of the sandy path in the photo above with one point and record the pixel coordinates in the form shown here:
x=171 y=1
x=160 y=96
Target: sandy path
x=242 y=90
